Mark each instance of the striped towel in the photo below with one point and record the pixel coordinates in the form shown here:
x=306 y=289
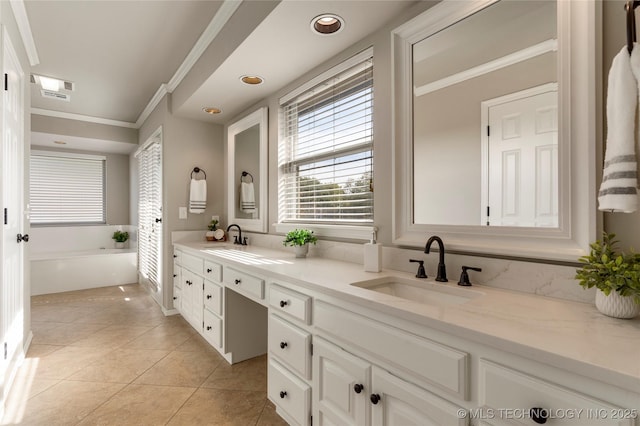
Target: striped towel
x=247 y=197
x=198 y=196
x=619 y=187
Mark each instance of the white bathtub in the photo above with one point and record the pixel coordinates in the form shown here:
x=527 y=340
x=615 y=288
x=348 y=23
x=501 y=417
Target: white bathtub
x=57 y=272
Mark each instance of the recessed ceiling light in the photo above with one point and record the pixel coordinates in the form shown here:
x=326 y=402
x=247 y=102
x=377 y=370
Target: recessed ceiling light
x=252 y=79
x=327 y=23
x=60 y=142
x=212 y=110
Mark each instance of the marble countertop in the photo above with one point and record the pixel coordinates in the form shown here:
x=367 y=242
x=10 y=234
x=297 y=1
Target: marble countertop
x=568 y=335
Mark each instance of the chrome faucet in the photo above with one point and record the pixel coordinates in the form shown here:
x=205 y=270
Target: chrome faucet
x=442 y=269
x=237 y=239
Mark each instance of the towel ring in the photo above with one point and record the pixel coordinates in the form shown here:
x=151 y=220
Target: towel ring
x=198 y=170
x=244 y=174
x=630 y=7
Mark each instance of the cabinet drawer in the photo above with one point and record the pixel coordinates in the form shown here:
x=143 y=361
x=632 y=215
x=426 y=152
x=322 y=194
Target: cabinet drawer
x=244 y=283
x=212 y=271
x=437 y=364
x=213 y=297
x=290 y=394
x=291 y=345
x=192 y=263
x=177 y=256
x=212 y=330
x=290 y=302
x=502 y=389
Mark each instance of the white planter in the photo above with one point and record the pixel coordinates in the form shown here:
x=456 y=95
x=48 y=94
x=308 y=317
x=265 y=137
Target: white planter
x=301 y=251
x=119 y=245
x=616 y=306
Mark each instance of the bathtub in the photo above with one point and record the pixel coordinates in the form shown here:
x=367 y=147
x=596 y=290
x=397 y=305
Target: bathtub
x=57 y=272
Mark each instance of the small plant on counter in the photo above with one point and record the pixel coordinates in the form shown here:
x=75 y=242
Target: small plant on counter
x=213 y=225
x=299 y=237
x=120 y=236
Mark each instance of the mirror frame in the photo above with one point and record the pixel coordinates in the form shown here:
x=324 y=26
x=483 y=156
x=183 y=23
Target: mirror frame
x=579 y=62
x=261 y=118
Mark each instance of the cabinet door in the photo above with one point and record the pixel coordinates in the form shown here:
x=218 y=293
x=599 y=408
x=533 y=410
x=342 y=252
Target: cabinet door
x=186 y=303
x=342 y=386
x=396 y=402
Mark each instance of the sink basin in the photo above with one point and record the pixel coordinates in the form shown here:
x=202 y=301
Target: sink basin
x=420 y=291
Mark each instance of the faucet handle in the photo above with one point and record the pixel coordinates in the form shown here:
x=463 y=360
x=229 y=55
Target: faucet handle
x=235 y=239
x=464 y=276
x=421 y=272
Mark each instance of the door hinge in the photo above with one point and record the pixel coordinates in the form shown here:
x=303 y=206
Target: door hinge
x=488 y=209
x=6 y=352
x=311 y=348
x=6 y=217
x=311 y=421
x=488 y=130
x=6 y=81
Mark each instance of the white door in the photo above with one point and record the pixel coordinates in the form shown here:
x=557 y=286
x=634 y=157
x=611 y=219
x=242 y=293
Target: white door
x=523 y=161
x=12 y=302
x=150 y=214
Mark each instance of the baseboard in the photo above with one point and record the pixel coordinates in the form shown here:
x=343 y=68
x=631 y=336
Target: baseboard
x=27 y=343
x=169 y=312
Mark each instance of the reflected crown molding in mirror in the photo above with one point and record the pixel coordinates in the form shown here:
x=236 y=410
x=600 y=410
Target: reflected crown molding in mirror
x=247 y=177
x=578 y=41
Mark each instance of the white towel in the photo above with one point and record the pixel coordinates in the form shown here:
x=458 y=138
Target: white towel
x=247 y=197
x=618 y=190
x=198 y=196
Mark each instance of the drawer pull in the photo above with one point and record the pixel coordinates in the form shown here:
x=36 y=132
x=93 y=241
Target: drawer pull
x=209 y=270
x=283 y=303
x=539 y=415
x=175 y=255
x=174 y=275
x=357 y=388
x=175 y=298
x=238 y=281
x=375 y=398
x=283 y=394
x=283 y=345
x=208 y=327
x=208 y=296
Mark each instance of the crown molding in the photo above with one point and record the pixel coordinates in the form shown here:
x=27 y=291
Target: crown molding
x=153 y=103
x=22 y=20
x=80 y=117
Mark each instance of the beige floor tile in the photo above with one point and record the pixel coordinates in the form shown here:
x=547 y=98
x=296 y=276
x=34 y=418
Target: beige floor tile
x=45 y=313
x=140 y=405
x=250 y=375
x=38 y=351
x=220 y=407
x=119 y=366
x=112 y=336
x=269 y=417
x=66 y=333
x=161 y=337
x=66 y=403
x=67 y=361
x=181 y=369
x=196 y=343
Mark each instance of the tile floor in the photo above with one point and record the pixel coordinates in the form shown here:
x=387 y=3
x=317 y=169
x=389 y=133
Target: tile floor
x=109 y=356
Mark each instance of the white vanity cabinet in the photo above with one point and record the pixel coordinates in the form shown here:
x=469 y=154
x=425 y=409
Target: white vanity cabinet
x=192 y=288
x=177 y=281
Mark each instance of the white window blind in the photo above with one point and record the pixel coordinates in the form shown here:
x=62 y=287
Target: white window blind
x=150 y=212
x=66 y=188
x=326 y=150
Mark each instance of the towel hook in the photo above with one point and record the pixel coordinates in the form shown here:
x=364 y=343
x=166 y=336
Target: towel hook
x=198 y=170
x=630 y=7
x=244 y=174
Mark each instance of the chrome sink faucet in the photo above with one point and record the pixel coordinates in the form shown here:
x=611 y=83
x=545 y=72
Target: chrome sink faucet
x=237 y=239
x=442 y=269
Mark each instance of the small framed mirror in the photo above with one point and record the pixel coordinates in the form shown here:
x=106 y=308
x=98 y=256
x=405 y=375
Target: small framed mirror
x=247 y=162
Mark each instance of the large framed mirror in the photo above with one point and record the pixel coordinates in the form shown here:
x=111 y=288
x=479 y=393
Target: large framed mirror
x=247 y=160
x=495 y=127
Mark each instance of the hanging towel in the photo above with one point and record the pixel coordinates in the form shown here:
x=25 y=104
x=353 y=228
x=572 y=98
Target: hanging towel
x=198 y=196
x=619 y=187
x=247 y=197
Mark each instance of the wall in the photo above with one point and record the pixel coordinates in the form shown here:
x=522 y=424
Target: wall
x=185 y=144
x=83 y=129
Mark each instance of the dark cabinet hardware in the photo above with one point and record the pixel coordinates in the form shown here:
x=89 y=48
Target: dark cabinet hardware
x=283 y=345
x=174 y=275
x=175 y=255
x=375 y=398
x=283 y=303
x=464 y=276
x=237 y=281
x=539 y=415
x=357 y=388
x=421 y=272
x=283 y=394
x=208 y=327
x=208 y=270
x=158 y=219
x=175 y=298
x=208 y=296
x=24 y=238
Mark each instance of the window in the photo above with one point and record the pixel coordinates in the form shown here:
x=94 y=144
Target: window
x=67 y=188
x=326 y=147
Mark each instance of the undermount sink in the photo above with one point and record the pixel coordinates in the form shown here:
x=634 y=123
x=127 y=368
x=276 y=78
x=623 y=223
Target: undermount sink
x=430 y=293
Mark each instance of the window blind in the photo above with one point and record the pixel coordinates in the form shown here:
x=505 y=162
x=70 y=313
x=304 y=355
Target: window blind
x=66 y=188
x=150 y=209
x=326 y=150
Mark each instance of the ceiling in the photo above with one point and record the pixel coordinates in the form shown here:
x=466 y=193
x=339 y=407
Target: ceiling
x=119 y=53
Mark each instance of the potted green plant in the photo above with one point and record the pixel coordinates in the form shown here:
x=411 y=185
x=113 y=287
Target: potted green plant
x=616 y=276
x=120 y=237
x=300 y=239
x=211 y=233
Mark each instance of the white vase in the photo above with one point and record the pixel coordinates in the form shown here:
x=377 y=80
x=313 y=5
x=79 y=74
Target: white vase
x=301 y=251
x=119 y=245
x=616 y=306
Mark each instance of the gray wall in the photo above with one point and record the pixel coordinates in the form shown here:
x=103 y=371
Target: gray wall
x=83 y=129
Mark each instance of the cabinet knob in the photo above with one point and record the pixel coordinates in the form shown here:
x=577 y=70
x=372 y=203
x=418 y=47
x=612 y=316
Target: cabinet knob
x=283 y=345
x=175 y=275
x=357 y=388
x=209 y=270
x=208 y=296
x=238 y=281
x=283 y=303
x=375 y=398
x=283 y=394
x=175 y=255
x=539 y=415
x=208 y=327
x=175 y=298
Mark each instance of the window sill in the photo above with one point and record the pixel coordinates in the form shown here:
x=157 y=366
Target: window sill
x=351 y=232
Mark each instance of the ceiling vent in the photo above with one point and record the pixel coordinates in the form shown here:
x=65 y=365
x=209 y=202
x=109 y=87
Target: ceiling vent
x=55 y=95
x=64 y=85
